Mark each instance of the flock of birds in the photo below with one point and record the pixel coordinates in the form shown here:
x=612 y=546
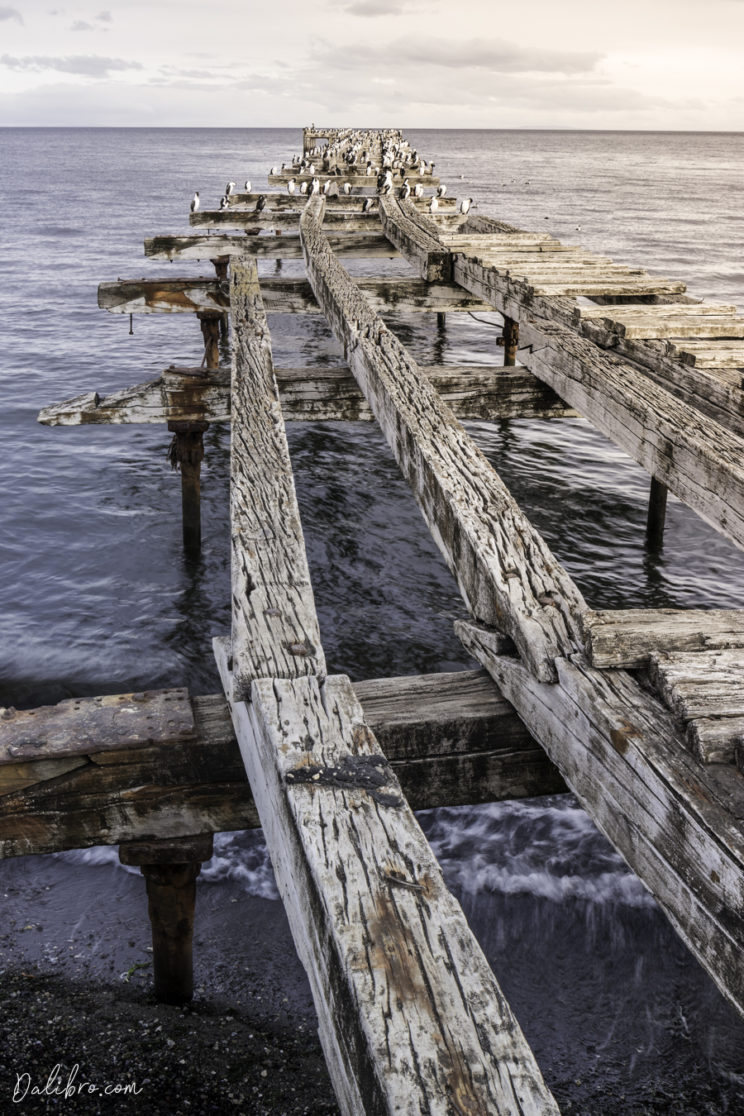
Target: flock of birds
x=345 y=157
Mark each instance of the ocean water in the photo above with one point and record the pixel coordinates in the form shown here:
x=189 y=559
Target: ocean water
x=96 y=596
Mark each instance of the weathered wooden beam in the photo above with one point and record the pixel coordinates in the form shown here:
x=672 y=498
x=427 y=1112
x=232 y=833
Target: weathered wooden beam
x=288 y=220
x=366 y=181
x=186 y=454
x=410 y=1014
x=280 y=296
x=700 y=683
x=656 y=516
x=335 y=203
x=322 y=394
x=505 y=572
x=416 y=238
x=202 y=246
x=274 y=627
x=629 y=637
x=101 y=771
x=678 y=824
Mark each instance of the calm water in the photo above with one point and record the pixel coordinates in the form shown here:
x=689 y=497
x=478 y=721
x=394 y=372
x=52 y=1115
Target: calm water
x=96 y=597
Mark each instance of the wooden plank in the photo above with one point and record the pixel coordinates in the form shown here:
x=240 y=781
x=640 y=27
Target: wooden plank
x=280 y=296
x=366 y=181
x=123 y=720
x=207 y=246
x=416 y=238
x=274 y=627
x=311 y=394
x=622 y=755
x=410 y=1014
x=505 y=571
x=628 y=637
x=451 y=739
x=696 y=458
x=335 y=203
x=287 y=220
x=700 y=684
x=716 y=739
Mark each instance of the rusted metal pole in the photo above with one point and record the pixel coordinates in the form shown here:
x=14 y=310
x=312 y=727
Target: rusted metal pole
x=220 y=268
x=511 y=342
x=657 y=502
x=170 y=869
x=209 y=321
x=187 y=453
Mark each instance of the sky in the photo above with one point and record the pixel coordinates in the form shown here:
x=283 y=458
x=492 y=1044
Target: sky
x=643 y=64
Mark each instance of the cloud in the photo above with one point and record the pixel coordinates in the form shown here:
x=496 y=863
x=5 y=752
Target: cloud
x=81 y=25
x=11 y=13
x=105 y=17
x=496 y=56
x=84 y=65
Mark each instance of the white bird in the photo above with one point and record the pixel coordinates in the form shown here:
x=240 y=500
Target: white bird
x=303 y=187
x=441 y=191
x=311 y=168
x=224 y=201
x=275 y=170
x=433 y=205
x=314 y=186
x=367 y=207
x=418 y=190
x=405 y=190
x=327 y=186
x=347 y=187
x=291 y=186
x=465 y=205
x=247 y=185
x=229 y=188
x=195 y=202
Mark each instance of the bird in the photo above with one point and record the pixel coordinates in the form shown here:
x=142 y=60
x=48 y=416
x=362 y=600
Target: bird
x=367 y=207
x=291 y=186
x=195 y=202
x=327 y=186
x=229 y=189
x=275 y=170
x=311 y=168
x=247 y=185
x=303 y=187
x=465 y=205
x=261 y=203
x=433 y=205
x=314 y=186
x=418 y=190
x=405 y=190
x=441 y=191
x=347 y=187
x=224 y=201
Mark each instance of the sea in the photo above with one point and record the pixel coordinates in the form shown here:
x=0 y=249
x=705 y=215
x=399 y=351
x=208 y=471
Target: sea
x=96 y=595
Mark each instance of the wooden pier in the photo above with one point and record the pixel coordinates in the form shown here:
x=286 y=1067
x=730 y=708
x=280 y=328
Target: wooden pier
x=640 y=713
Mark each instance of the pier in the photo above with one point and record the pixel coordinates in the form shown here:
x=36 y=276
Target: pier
x=639 y=712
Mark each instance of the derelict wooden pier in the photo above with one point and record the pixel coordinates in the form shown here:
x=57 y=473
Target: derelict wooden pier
x=640 y=713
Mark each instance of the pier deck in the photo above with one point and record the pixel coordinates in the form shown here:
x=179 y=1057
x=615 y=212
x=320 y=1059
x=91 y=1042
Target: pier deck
x=638 y=712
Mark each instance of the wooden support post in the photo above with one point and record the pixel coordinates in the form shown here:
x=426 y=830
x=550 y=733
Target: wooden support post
x=170 y=869
x=186 y=453
x=511 y=342
x=220 y=268
x=210 y=327
x=440 y=321
x=657 y=502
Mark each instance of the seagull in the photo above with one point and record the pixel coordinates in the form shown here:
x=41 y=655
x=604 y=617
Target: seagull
x=224 y=201
x=247 y=185
x=291 y=186
x=229 y=189
x=465 y=205
x=441 y=191
x=260 y=204
x=433 y=205
x=195 y=202
x=418 y=190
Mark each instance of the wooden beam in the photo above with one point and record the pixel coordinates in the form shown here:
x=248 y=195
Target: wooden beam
x=275 y=630
x=280 y=296
x=85 y=772
x=410 y=1014
x=310 y=394
x=677 y=824
x=416 y=237
x=366 y=181
x=203 y=246
x=288 y=220
x=502 y=565
x=629 y=637
x=335 y=203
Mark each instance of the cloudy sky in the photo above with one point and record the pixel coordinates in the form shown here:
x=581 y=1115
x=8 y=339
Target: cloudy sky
x=648 y=64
